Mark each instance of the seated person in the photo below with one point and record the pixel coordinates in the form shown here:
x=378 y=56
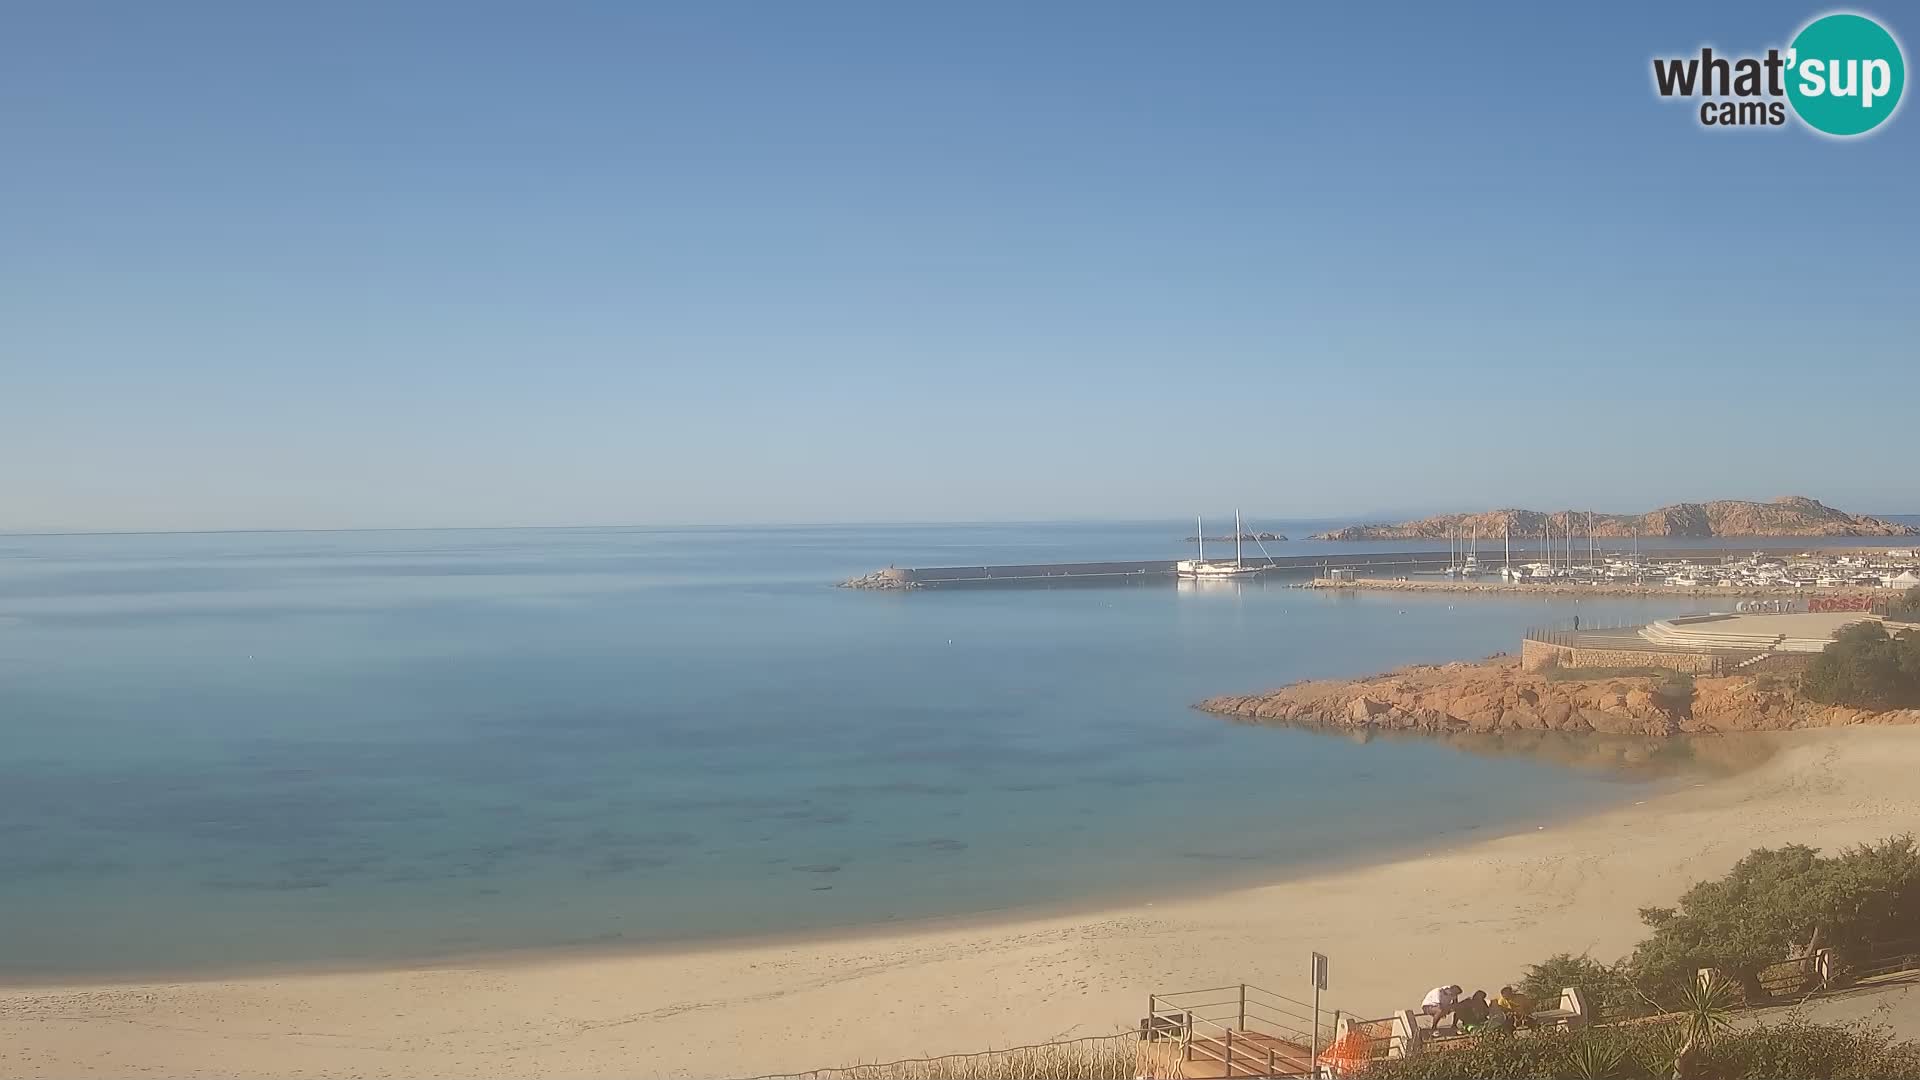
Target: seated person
x=1518 y=1006
x=1471 y=1014
x=1439 y=1004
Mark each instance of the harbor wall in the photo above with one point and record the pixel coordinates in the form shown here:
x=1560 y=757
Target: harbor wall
x=1120 y=572
x=1040 y=572
x=1538 y=656
x=1033 y=571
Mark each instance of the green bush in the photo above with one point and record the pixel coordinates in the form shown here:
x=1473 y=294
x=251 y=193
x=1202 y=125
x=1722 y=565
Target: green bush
x=1787 y=1051
x=1634 y=1051
x=1906 y=605
x=1774 y=904
x=1795 y=1050
x=1607 y=987
x=1675 y=688
x=1776 y=900
x=1868 y=668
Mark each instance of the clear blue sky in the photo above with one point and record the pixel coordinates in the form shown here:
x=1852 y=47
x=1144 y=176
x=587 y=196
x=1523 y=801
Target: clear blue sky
x=358 y=264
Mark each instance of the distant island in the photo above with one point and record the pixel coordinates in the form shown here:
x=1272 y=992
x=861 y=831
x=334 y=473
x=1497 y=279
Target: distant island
x=1791 y=515
x=1255 y=537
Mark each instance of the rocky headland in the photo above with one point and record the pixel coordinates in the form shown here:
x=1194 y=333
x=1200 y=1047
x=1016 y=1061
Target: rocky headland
x=1494 y=696
x=1792 y=515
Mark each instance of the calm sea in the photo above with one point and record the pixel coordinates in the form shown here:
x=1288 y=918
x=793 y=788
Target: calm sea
x=237 y=750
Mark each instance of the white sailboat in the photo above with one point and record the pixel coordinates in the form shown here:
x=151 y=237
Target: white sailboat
x=1452 y=556
x=1200 y=569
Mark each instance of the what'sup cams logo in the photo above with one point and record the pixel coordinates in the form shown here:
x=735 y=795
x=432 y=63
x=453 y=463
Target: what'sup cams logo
x=1842 y=76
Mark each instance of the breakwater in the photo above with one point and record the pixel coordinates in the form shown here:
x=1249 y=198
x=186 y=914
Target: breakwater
x=1156 y=570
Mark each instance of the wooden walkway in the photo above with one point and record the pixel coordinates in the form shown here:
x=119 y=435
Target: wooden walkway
x=1230 y=1033
x=1249 y=1054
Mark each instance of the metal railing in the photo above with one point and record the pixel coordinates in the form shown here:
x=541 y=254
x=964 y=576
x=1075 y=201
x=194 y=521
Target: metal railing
x=1383 y=1038
x=1563 y=633
x=1819 y=974
x=1792 y=978
x=1245 y=1031
x=1827 y=971
x=1885 y=958
x=1242 y=1029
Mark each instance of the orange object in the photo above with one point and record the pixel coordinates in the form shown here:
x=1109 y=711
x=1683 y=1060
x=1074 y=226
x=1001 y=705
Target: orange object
x=1350 y=1052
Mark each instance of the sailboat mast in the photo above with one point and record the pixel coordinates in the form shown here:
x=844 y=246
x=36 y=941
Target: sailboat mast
x=1237 y=530
x=1200 y=534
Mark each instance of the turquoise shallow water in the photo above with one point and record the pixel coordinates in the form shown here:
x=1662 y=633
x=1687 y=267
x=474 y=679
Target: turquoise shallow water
x=230 y=750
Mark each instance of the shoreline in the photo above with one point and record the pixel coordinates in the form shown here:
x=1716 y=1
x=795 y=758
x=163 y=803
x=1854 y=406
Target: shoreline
x=1632 y=780
x=1471 y=910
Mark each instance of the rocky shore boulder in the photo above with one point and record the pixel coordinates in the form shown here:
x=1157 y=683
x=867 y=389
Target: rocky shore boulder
x=881 y=579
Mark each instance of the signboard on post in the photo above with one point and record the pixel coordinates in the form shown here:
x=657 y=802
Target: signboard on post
x=1319 y=984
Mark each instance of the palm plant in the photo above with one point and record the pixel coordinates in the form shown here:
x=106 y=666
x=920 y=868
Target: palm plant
x=1595 y=1060
x=1706 y=1008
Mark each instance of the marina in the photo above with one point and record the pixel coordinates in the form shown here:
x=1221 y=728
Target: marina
x=1711 y=571
x=1133 y=571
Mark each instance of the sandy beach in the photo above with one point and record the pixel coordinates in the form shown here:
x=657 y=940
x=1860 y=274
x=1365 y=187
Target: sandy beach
x=1472 y=914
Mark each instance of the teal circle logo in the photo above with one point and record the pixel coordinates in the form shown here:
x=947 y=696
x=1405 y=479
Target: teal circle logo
x=1845 y=74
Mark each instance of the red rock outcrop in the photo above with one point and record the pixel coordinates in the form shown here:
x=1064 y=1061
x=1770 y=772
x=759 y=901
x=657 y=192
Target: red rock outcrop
x=1495 y=696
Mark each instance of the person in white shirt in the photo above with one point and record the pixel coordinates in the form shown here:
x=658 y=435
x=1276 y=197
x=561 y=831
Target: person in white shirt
x=1439 y=1004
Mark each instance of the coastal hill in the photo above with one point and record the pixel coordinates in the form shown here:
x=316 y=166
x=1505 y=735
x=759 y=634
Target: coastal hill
x=1791 y=515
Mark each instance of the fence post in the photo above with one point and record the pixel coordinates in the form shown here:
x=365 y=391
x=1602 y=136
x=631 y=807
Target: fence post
x=1229 y=1053
x=1574 y=1000
x=1406 y=1032
x=1243 y=1006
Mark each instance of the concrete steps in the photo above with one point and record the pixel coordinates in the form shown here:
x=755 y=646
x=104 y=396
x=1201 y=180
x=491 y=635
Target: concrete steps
x=1744 y=633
